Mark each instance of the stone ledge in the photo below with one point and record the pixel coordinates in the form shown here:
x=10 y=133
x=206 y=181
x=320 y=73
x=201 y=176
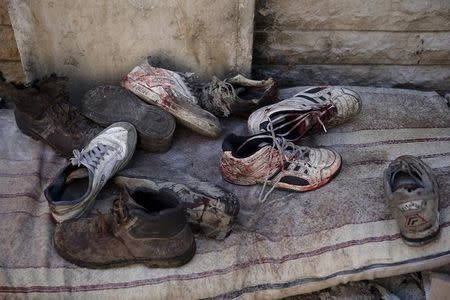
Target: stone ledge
x=415 y=77
x=351 y=47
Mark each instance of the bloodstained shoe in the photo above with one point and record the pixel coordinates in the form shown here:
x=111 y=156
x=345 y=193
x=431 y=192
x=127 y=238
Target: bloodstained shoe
x=146 y=228
x=43 y=112
x=74 y=189
x=312 y=108
x=106 y=105
x=263 y=158
x=237 y=95
x=170 y=91
x=413 y=196
x=210 y=208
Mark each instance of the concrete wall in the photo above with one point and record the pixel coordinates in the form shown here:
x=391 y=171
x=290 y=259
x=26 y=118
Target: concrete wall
x=400 y=43
x=10 y=65
x=96 y=42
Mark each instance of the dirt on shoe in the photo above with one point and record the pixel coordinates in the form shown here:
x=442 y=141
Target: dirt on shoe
x=143 y=227
x=106 y=105
x=262 y=158
x=237 y=95
x=43 y=112
x=210 y=208
x=412 y=194
x=310 y=110
x=171 y=91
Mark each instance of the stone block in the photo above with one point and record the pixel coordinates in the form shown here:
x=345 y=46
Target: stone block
x=4 y=17
x=12 y=71
x=387 y=15
x=8 y=46
x=351 y=47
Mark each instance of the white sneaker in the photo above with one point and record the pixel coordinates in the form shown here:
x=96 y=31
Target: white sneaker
x=73 y=191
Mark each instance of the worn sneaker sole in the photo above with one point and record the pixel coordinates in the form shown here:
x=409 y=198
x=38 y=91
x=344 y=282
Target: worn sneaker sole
x=171 y=262
x=285 y=186
x=106 y=105
x=189 y=114
x=415 y=242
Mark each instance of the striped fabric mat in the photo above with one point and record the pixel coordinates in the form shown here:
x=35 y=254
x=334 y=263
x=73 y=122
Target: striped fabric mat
x=292 y=244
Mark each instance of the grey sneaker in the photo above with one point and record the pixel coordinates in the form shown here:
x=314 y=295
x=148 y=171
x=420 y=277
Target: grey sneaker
x=73 y=191
x=413 y=197
x=210 y=208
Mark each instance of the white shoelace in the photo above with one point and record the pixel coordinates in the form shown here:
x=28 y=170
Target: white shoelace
x=90 y=159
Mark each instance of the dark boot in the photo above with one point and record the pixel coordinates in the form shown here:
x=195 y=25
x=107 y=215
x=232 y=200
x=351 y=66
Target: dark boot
x=144 y=227
x=43 y=112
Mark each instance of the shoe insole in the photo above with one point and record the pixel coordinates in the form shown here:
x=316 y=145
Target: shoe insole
x=250 y=93
x=403 y=180
x=76 y=185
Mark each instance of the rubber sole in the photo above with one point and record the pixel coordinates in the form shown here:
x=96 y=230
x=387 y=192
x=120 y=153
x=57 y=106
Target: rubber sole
x=171 y=262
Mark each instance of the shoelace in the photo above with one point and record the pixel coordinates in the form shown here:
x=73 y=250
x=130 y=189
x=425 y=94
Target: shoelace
x=218 y=96
x=118 y=215
x=297 y=121
x=90 y=159
x=289 y=151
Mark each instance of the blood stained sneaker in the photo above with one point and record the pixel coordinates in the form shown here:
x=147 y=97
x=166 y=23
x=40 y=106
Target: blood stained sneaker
x=142 y=228
x=263 y=158
x=169 y=90
x=210 y=208
x=237 y=95
x=413 y=196
x=313 y=108
x=74 y=189
x=106 y=105
x=43 y=112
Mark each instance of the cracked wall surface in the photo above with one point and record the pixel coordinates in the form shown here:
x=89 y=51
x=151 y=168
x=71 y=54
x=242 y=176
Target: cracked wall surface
x=98 y=42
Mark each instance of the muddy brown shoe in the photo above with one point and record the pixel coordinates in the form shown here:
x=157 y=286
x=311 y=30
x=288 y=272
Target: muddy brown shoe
x=237 y=95
x=106 y=105
x=413 y=197
x=142 y=228
x=43 y=112
x=210 y=208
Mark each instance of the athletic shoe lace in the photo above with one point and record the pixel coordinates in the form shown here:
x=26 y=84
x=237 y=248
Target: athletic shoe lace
x=90 y=159
x=218 y=96
x=289 y=153
x=118 y=215
x=298 y=120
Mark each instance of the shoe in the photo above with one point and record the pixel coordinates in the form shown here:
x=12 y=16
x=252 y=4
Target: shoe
x=413 y=196
x=210 y=208
x=311 y=109
x=270 y=160
x=237 y=95
x=106 y=105
x=170 y=91
x=74 y=189
x=144 y=227
x=43 y=112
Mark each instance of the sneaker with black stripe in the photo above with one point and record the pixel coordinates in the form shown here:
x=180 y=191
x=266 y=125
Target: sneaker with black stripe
x=310 y=109
x=263 y=158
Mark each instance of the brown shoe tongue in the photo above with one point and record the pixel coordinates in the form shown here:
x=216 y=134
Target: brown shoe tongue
x=77 y=174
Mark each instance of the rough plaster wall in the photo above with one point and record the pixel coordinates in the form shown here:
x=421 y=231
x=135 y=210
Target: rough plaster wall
x=97 y=42
x=395 y=43
x=10 y=65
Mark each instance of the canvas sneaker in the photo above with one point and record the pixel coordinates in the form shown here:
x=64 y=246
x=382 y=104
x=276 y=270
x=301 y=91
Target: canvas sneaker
x=170 y=91
x=266 y=159
x=313 y=108
x=209 y=208
x=413 y=196
x=106 y=105
x=74 y=189
x=237 y=95
x=143 y=227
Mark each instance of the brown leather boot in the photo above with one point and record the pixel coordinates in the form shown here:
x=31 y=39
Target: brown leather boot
x=145 y=227
x=43 y=112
